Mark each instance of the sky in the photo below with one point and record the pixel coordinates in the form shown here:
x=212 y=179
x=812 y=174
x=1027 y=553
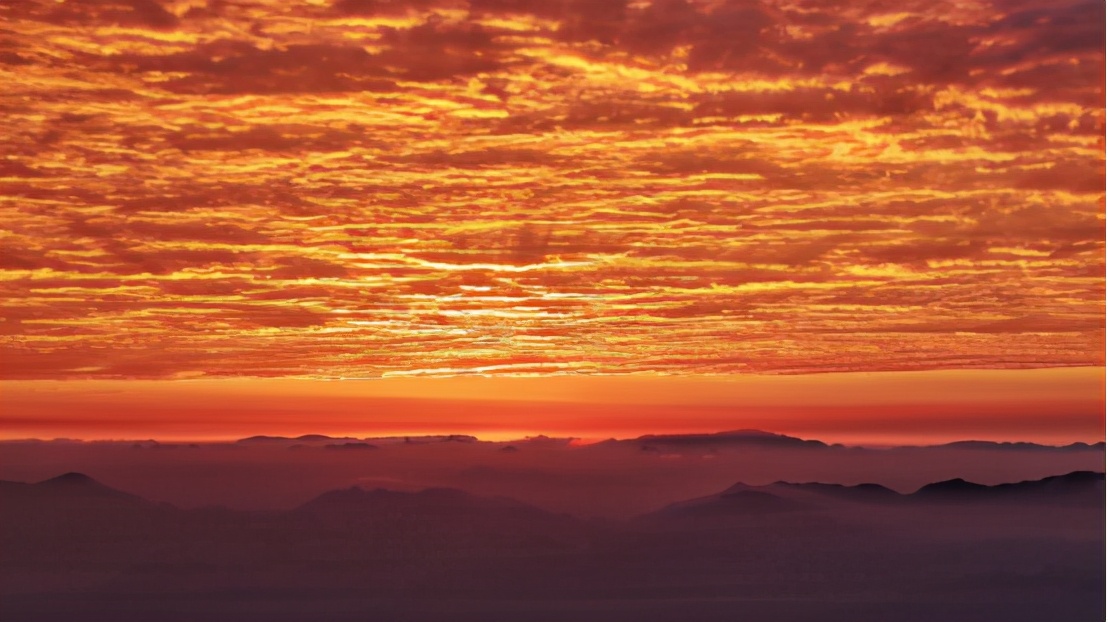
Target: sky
x=1055 y=406
x=571 y=191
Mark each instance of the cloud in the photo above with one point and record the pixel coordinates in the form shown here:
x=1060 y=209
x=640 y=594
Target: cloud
x=513 y=186
x=133 y=13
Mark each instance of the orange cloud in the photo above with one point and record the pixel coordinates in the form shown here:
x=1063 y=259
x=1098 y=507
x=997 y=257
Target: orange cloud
x=507 y=187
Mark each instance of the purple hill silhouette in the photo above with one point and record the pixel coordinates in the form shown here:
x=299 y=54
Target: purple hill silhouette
x=1078 y=487
x=733 y=438
x=1021 y=446
x=349 y=446
x=730 y=439
x=304 y=438
x=870 y=493
x=784 y=550
x=1084 y=488
x=738 y=500
x=68 y=489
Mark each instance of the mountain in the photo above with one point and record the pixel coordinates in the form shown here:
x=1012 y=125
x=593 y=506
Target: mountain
x=656 y=443
x=720 y=440
x=778 y=497
x=73 y=520
x=1076 y=488
x=435 y=521
x=66 y=491
x=1083 y=488
x=349 y=446
x=1020 y=446
x=780 y=551
x=317 y=439
x=305 y=438
x=951 y=489
x=443 y=438
x=864 y=493
x=662 y=443
x=739 y=500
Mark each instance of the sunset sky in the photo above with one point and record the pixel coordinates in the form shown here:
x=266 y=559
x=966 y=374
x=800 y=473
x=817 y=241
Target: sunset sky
x=590 y=217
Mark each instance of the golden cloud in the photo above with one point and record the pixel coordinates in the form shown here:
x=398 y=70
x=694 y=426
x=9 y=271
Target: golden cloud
x=522 y=187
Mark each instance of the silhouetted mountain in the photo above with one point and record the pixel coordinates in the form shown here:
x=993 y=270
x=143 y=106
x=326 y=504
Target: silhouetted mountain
x=350 y=446
x=1075 y=480
x=305 y=438
x=722 y=440
x=738 y=500
x=73 y=520
x=744 y=499
x=545 y=442
x=72 y=480
x=783 y=551
x=444 y=438
x=322 y=439
x=262 y=439
x=437 y=521
x=1077 y=488
x=951 y=488
x=734 y=438
x=1021 y=446
x=67 y=490
x=870 y=493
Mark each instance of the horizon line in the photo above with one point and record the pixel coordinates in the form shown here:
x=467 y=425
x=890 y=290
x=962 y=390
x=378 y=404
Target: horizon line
x=509 y=437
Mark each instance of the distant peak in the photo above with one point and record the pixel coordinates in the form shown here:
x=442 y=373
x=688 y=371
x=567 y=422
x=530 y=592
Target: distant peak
x=957 y=482
x=1081 y=487
x=754 y=438
x=1019 y=446
x=78 y=485
x=356 y=496
x=748 y=432
x=739 y=487
x=860 y=492
x=744 y=433
x=956 y=486
x=357 y=445
x=72 y=478
x=1078 y=476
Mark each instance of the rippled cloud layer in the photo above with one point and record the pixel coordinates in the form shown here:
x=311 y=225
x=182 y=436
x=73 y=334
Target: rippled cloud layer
x=365 y=187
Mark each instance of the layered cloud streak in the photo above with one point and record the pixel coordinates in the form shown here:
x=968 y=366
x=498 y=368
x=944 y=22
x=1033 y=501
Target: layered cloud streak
x=370 y=188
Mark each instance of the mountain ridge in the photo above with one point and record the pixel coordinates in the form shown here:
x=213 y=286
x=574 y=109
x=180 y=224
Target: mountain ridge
x=748 y=436
x=1073 y=488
